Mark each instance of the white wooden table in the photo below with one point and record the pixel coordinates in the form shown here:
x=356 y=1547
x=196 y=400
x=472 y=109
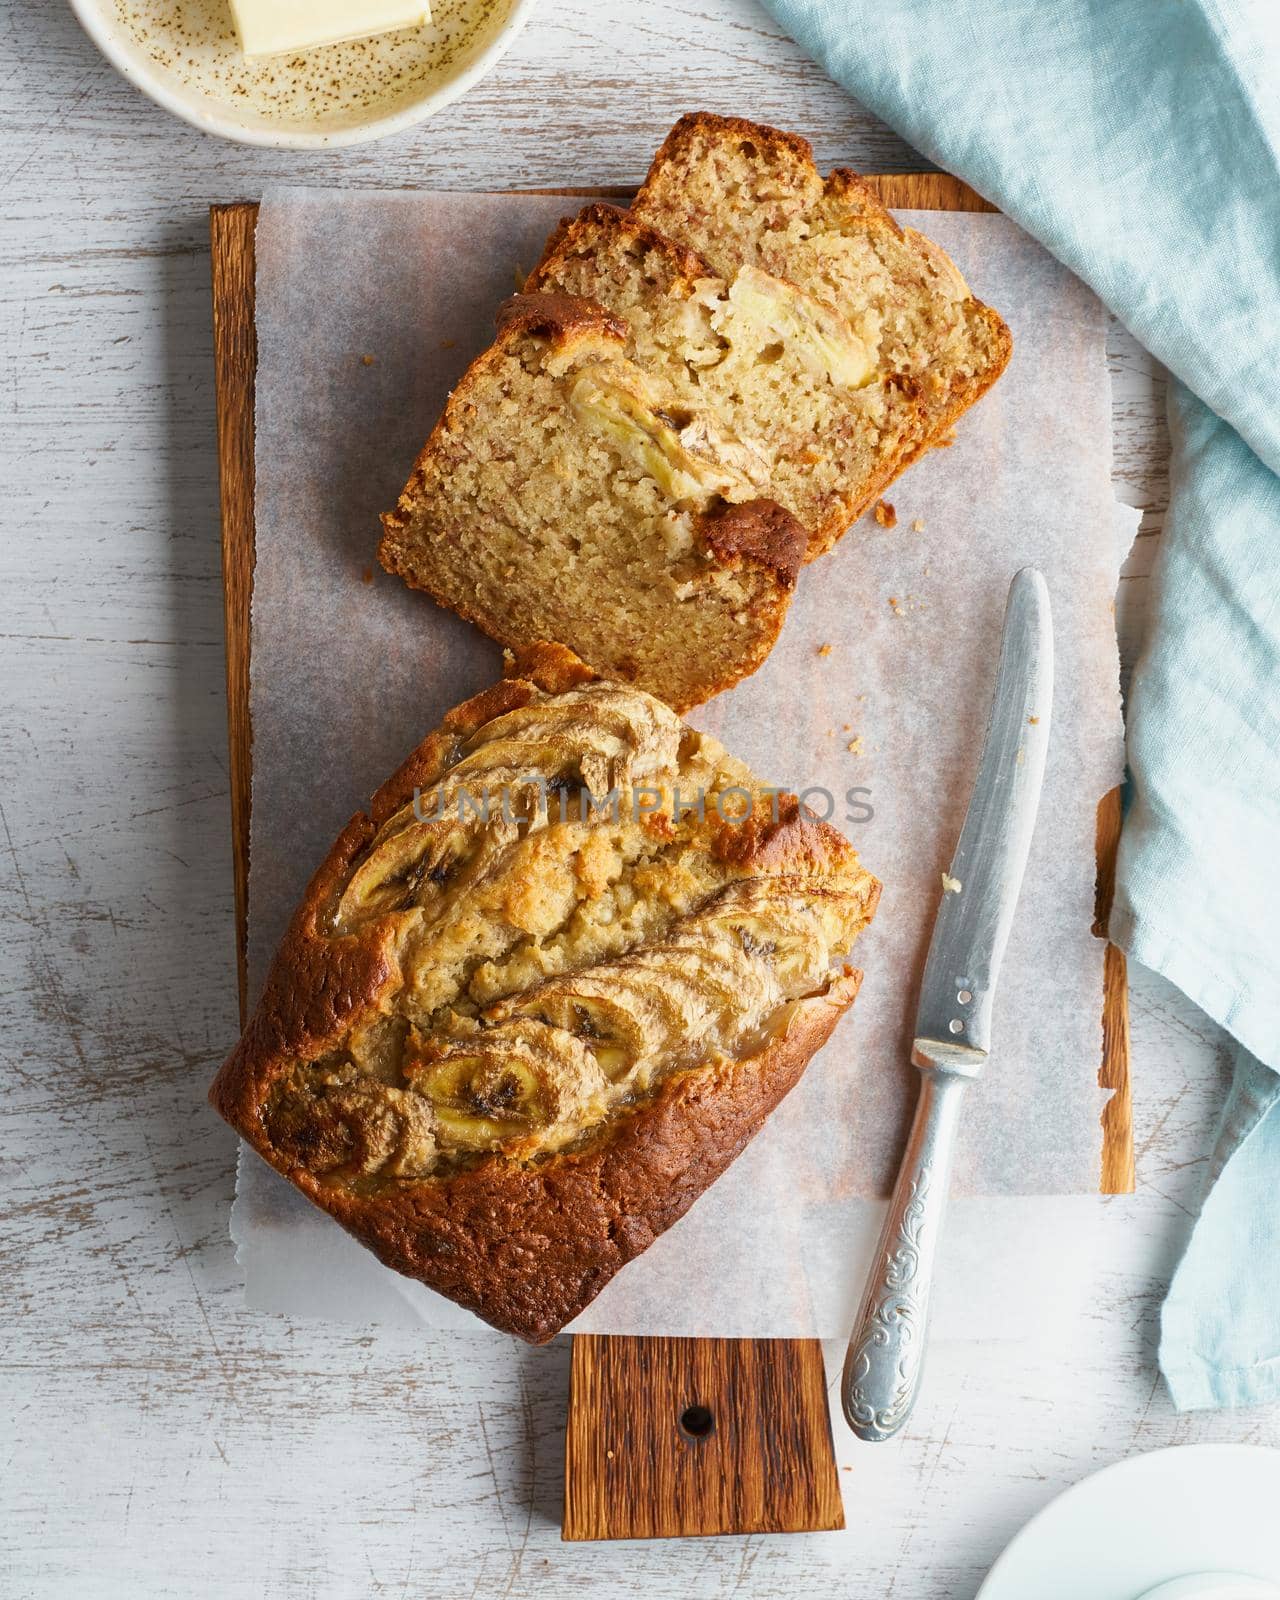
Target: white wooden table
x=160 y=1440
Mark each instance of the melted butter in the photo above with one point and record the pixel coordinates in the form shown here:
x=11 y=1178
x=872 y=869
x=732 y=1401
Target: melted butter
x=194 y=42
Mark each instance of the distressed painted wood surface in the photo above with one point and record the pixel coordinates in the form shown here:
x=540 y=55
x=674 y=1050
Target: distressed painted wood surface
x=159 y=1440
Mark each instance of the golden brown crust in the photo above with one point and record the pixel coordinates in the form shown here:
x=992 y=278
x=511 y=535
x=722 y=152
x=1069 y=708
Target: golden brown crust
x=557 y=317
x=315 y=988
x=695 y=123
x=962 y=393
x=853 y=191
x=527 y=1249
x=551 y=667
x=525 y=1246
x=580 y=236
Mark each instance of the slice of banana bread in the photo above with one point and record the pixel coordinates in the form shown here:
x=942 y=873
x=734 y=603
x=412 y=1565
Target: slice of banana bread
x=747 y=196
x=538 y=999
x=787 y=373
x=565 y=494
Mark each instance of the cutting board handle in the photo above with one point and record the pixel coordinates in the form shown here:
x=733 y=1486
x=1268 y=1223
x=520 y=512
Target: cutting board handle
x=669 y=1438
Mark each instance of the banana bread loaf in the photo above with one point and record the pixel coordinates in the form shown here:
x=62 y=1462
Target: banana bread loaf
x=565 y=494
x=539 y=998
x=749 y=198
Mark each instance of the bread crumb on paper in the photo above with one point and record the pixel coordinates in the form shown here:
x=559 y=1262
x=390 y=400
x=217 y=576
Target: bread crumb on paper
x=951 y=885
x=855 y=745
x=824 y=649
x=886 y=516
x=918 y=525
x=1034 y=721
x=368 y=361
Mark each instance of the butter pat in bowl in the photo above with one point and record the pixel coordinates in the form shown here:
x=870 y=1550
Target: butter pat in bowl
x=188 y=57
x=279 y=27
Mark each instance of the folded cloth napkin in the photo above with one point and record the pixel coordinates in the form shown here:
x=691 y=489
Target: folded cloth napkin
x=1139 y=141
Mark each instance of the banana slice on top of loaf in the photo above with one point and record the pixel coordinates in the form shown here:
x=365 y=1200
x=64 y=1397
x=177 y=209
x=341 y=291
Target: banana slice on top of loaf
x=543 y=993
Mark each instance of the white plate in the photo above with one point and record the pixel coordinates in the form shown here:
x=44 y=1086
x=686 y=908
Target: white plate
x=1191 y=1509
x=187 y=60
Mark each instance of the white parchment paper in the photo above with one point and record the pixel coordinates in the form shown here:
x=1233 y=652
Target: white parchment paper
x=369 y=308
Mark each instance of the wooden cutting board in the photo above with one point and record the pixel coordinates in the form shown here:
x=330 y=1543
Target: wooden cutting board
x=665 y=1437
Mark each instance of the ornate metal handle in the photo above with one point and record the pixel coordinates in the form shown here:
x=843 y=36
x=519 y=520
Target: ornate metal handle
x=886 y=1353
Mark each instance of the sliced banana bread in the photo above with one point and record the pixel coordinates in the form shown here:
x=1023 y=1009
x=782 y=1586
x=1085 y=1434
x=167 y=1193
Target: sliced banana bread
x=538 y=999
x=567 y=494
x=796 y=381
x=747 y=196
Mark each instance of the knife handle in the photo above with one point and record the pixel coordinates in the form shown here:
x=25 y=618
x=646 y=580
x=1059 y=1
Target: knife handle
x=886 y=1353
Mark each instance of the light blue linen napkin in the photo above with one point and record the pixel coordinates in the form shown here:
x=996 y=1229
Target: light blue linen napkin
x=1139 y=141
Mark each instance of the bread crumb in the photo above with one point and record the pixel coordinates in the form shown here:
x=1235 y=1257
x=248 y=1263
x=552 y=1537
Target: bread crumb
x=368 y=361
x=824 y=649
x=1034 y=721
x=886 y=516
x=918 y=525
x=855 y=746
x=830 y=731
x=951 y=885
x=848 y=727
x=367 y=575
x=895 y=605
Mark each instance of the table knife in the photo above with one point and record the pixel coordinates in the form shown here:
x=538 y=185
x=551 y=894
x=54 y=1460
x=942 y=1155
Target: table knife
x=952 y=1035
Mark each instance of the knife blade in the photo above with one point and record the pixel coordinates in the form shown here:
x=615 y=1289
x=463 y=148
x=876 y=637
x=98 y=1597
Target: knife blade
x=884 y=1362
x=981 y=887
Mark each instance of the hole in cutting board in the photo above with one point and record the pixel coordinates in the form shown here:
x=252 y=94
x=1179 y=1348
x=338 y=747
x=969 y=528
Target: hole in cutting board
x=696 y=1422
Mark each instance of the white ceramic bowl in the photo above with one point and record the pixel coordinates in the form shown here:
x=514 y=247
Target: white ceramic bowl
x=185 y=59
